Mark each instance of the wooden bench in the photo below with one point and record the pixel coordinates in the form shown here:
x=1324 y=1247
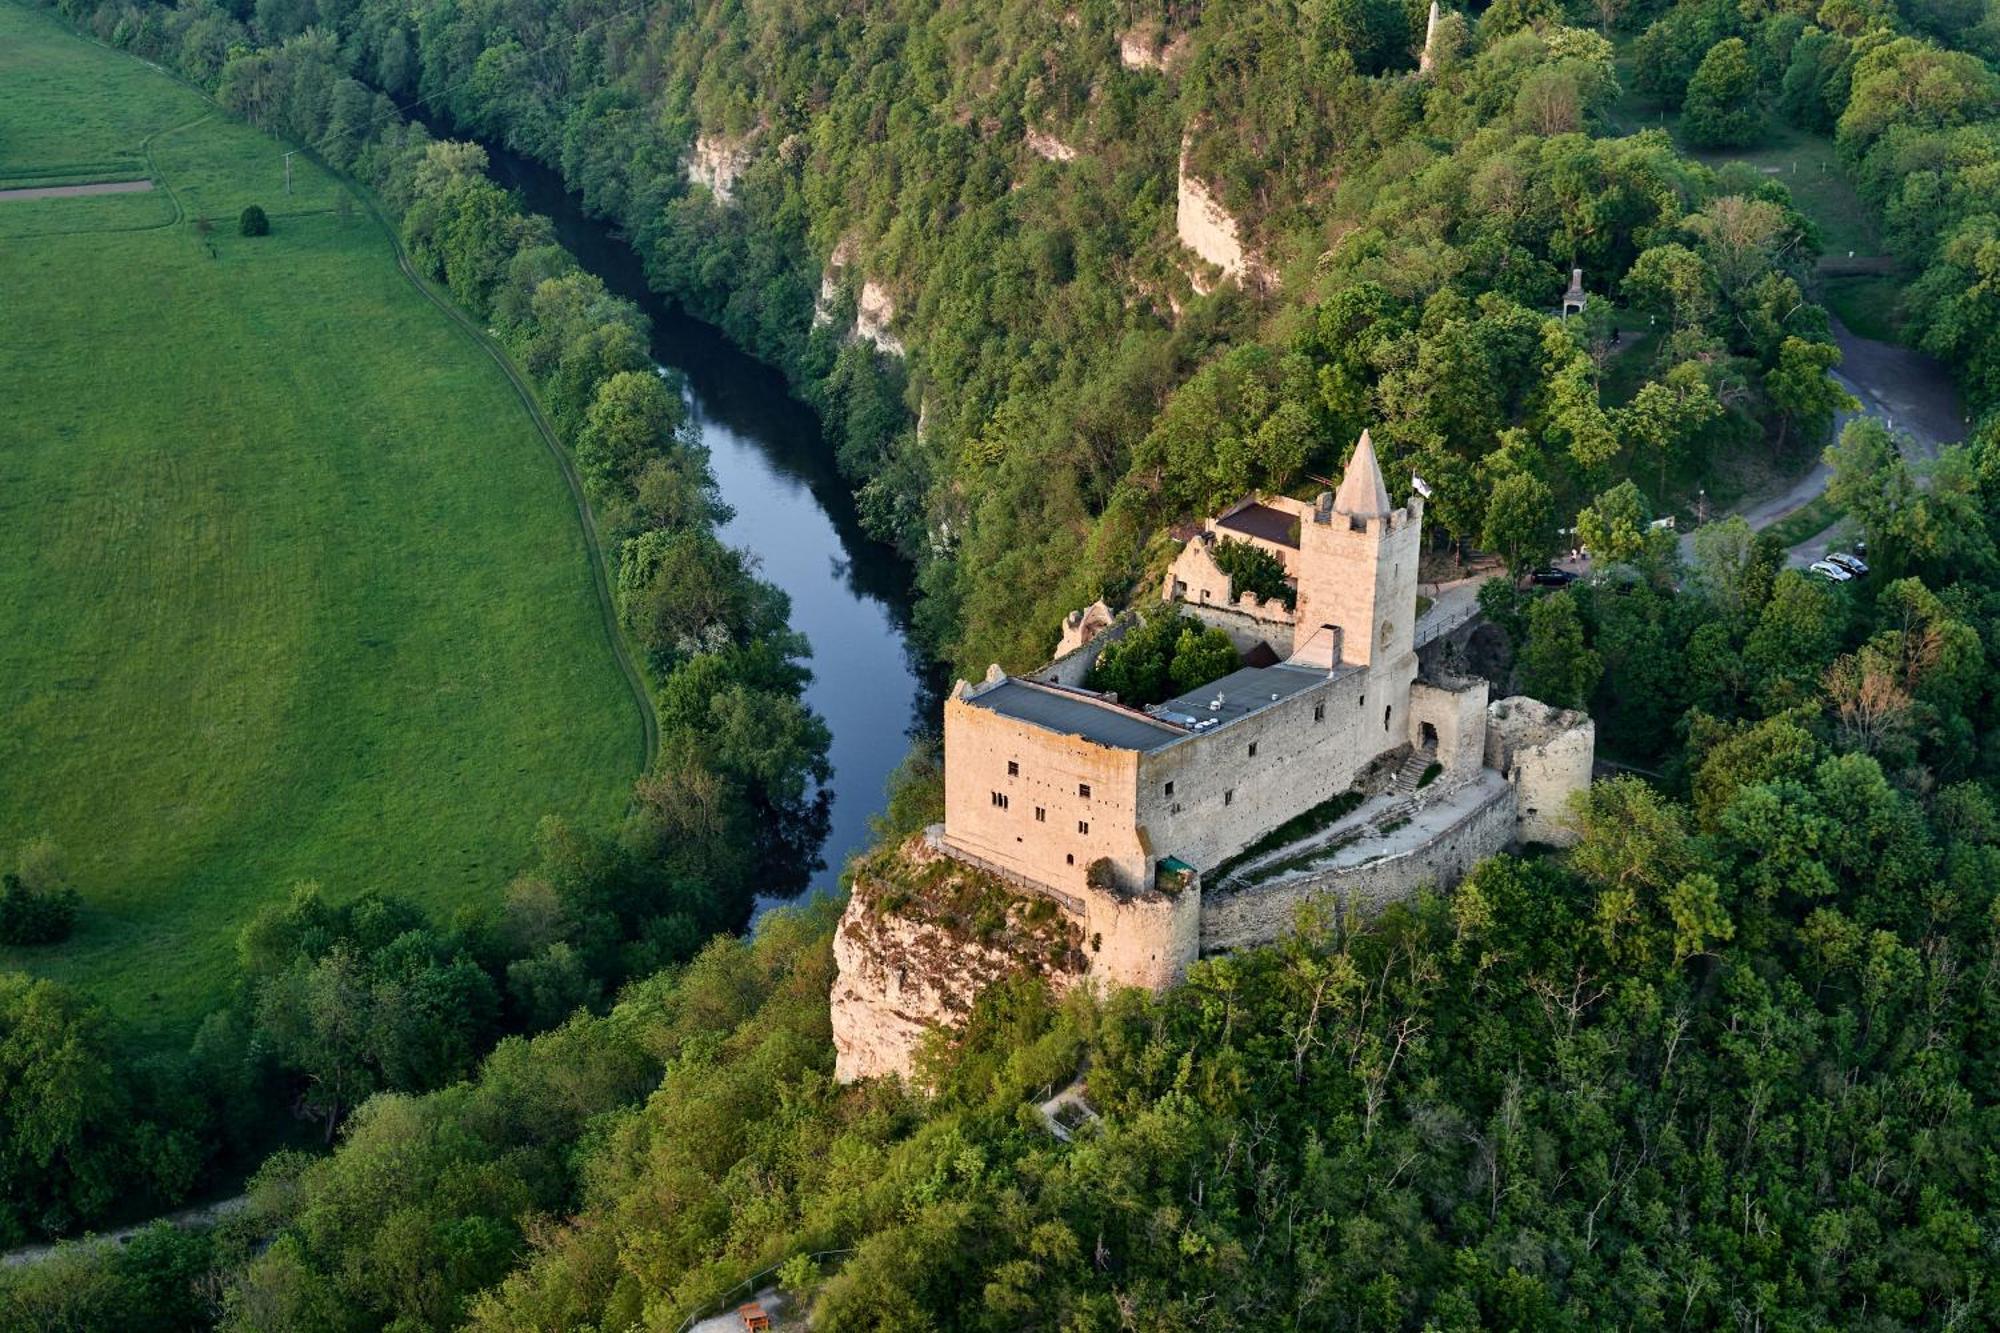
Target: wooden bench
x=753 y=1317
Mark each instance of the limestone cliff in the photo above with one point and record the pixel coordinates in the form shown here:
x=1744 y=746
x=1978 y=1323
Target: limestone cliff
x=874 y=308
x=922 y=936
x=717 y=162
x=1206 y=227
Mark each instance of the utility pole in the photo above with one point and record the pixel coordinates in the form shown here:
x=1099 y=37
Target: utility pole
x=288 y=174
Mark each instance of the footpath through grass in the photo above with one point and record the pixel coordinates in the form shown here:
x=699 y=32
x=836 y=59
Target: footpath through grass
x=289 y=587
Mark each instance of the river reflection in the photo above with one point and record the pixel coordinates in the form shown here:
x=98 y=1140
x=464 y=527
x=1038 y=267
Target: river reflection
x=850 y=594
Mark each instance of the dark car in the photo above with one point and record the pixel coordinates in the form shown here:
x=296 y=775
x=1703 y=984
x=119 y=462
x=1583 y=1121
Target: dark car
x=1552 y=577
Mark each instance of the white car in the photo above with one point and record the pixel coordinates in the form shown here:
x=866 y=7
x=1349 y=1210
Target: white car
x=1853 y=564
x=1829 y=571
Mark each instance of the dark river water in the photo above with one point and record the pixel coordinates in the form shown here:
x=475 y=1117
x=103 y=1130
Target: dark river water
x=850 y=594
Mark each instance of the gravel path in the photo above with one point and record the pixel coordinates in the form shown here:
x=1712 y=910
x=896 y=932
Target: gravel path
x=71 y=191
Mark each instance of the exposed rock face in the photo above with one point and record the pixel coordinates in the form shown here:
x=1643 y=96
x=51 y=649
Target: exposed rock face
x=1427 y=59
x=717 y=163
x=875 y=309
x=1139 y=48
x=1206 y=228
x=874 y=312
x=922 y=936
x=1050 y=147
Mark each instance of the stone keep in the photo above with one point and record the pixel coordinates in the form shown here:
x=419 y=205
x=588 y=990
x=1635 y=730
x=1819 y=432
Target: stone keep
x=1116 y=813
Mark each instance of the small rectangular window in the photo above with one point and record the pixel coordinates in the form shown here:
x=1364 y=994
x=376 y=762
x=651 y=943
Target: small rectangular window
x=1000 y=799
x=1319 y=712
x=1169 y=791
x=1083 y=790
x=1362 y=702
x=1083 y=826
x=1229 y=797
x=1253 y=749
x=1041 y=815
x=1013 y=769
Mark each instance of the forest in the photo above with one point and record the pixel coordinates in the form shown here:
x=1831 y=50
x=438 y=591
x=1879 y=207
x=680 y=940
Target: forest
x=1729 y=1061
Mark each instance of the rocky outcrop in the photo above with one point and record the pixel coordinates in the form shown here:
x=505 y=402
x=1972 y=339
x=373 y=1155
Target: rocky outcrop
x=874 y=309
x=874 y=312
x=717 y=163
x=922 y=937
x=1139 y=48
x=1206 y=227
x=1046 y=145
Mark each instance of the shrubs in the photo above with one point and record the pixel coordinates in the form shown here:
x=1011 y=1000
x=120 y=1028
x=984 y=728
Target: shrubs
x=1167 y=655
x=37 y=906
x=253 y=222
x=1254 y=569
x=29 y=917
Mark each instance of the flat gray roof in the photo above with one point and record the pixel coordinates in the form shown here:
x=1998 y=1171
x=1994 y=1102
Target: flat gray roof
x=1076 y=715
x=1240 y=692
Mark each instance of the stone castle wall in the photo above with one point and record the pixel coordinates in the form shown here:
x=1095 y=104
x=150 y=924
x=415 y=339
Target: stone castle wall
x=1069 y=800
x=1247 y=626
x=1458 y=718
x=1361 y=575
x=1547 y=754
x=1309 y=747
x=1263 y=913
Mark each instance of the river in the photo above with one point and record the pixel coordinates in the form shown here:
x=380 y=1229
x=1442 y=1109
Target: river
x=850 y=594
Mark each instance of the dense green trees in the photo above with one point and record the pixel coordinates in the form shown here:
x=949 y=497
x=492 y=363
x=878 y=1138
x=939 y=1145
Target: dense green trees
x=70 y=1145
x=1913 y=116
x=1721 y=109
x=1164 y=655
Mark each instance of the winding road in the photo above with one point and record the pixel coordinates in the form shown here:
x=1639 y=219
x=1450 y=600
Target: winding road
x=1906 y=390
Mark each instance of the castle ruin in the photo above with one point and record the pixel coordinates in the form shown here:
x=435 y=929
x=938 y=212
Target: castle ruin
x=1161 y=833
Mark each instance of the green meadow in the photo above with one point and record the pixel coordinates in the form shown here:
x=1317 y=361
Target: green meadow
x=290 y=588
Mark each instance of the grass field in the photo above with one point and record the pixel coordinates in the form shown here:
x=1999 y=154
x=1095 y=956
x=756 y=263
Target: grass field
x=289 y=586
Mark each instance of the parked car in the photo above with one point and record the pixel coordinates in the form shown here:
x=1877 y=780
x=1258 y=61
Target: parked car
x=1551 y=577
x=1829 y=571
x=1853 y=564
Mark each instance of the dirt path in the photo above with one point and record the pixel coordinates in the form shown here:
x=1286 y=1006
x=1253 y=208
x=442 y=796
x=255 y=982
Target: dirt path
x=71 y=191
x=203 y=1215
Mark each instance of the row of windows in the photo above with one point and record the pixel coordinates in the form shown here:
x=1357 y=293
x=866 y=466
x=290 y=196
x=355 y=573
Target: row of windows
x=1041 y=812
x=1014 y=771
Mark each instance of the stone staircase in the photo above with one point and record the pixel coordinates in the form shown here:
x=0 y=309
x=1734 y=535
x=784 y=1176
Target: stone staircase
x=1413 y=770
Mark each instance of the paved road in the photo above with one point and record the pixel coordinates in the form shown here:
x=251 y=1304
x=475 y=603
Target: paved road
x=1906 y=390
x=205 y=1215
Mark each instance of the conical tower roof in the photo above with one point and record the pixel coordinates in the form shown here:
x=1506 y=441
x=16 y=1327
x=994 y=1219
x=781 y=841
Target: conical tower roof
x=1362 y=493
